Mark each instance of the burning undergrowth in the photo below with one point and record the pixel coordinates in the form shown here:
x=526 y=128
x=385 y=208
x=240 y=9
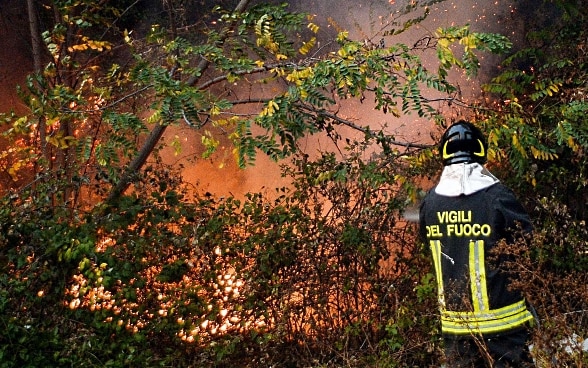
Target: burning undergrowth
x=322 y=268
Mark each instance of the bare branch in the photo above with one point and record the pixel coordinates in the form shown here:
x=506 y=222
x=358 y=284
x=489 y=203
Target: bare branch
x=363 y=129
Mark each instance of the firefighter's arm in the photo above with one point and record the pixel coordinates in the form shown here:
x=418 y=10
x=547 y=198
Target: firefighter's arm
x=422 y=224
x=514 y=215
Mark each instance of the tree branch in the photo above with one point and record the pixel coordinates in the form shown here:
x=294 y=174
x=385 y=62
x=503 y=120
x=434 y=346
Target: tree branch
x=364 y=130
x=154 y=137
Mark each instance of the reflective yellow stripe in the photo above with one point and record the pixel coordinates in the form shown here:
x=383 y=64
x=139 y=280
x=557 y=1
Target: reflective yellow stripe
x=482 y=320
x=477 y=268
x=491 y=321
x=436 y=251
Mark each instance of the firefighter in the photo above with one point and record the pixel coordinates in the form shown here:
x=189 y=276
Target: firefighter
x=484 y=322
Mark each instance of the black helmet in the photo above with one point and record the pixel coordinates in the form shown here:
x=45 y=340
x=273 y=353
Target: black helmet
x=463 y=142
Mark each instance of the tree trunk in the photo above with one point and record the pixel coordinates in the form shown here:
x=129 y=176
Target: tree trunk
x=35 y=35
x=38 y=65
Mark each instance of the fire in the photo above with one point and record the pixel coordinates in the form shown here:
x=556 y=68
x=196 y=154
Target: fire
x=91 y=294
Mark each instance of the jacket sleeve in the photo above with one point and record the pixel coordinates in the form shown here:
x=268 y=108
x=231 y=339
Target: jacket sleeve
x=422 y=228
x=513 y=215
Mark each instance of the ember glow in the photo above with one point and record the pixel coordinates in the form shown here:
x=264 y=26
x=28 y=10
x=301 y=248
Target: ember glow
x=160 y=301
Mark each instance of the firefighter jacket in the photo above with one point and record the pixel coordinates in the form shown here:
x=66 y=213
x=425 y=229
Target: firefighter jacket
x=461 y=220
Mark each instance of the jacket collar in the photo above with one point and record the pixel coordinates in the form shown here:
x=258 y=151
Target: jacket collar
x=464 y=179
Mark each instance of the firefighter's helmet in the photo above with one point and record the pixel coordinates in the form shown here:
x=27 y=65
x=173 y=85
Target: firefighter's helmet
x=463 y=142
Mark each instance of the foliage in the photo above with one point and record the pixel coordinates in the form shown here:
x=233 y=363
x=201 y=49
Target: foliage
x=172 y=279
x=539 y=128
x=537 y=133
x=550 y=269
x=85 y=94
x=325 y=273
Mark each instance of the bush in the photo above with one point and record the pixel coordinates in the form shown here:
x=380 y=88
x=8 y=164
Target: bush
x=551 y=269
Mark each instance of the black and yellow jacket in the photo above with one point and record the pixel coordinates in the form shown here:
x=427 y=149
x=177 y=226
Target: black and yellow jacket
x=462 y=219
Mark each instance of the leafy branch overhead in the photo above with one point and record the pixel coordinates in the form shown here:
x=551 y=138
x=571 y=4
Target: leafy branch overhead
x=259 y=76
x=537 y=127
x=313 y=86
